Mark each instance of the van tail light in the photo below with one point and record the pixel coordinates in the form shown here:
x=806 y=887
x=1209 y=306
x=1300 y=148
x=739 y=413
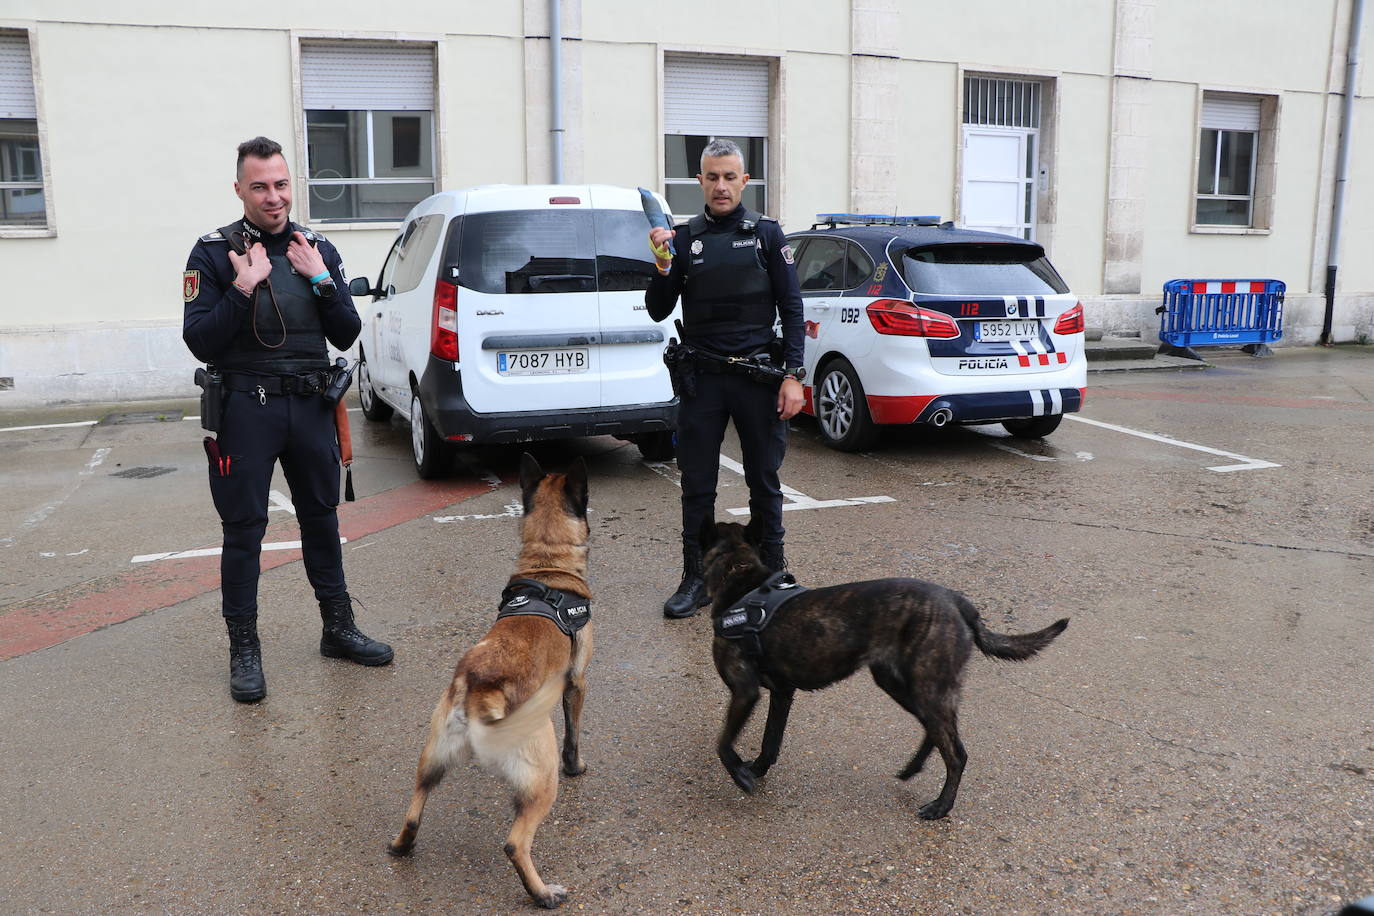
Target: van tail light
x=443 y=331
x=1071 y=322
x=897 y=316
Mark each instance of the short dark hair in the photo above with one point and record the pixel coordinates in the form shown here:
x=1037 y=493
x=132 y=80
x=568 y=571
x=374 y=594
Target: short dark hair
x=258 y=148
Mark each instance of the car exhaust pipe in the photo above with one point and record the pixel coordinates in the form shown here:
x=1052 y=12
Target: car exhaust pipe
x=940 y=417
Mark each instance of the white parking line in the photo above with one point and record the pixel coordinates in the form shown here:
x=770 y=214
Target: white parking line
x=215 y=551
x=513 y=510
x=1246 y=464
x=794 y=500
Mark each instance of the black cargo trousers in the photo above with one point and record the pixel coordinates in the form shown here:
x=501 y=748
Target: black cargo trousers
x=721 y=397
x=256 y=431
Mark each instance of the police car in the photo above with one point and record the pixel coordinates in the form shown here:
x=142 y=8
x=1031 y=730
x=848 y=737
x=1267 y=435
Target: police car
x=909 y=320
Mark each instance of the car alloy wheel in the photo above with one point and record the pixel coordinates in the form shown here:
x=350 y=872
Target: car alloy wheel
x=842 y=409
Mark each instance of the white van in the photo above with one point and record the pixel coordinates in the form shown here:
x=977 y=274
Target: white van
x=512 y=313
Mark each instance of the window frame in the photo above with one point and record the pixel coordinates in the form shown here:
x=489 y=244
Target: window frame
x=1263 y=165
x=49 y=227
x=303 y=183
x=754 y=180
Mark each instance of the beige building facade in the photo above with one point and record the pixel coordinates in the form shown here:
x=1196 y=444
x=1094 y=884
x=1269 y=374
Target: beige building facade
x=1137 y=140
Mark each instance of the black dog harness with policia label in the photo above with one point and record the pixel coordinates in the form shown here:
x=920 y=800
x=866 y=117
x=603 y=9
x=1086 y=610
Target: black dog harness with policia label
x=526 y=597
x=748 y=617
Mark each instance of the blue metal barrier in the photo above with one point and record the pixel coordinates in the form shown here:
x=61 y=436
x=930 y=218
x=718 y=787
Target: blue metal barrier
x=1216 y=313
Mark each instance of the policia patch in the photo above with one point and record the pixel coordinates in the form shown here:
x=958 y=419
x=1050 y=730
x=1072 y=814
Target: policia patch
x=527 y=597
x=190 y=285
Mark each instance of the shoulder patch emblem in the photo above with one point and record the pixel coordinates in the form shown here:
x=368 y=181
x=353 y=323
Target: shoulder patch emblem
x=696 y=246
x=215 y=236
x=787 y=253
x=190 y=285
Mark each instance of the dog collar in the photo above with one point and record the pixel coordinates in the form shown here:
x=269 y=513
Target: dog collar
x=530 y=598
x=748 y=617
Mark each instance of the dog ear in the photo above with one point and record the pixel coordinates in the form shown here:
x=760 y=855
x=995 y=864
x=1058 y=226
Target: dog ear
x=753 y=532
x=530 y=471
x=530 y=475
x=707 y=536
x=575 y=486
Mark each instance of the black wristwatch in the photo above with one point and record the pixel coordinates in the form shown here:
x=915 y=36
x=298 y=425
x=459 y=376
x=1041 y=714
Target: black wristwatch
x=798 y=373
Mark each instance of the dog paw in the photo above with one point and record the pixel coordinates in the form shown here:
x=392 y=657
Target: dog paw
x=743 y=778
x=399 y=851
x=935 y=810
x=554 y=896
x=574 y=769
x=759 y=770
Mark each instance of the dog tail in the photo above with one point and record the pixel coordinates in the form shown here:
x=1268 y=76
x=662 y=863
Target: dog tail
x=495 y=728
x=1000 y=645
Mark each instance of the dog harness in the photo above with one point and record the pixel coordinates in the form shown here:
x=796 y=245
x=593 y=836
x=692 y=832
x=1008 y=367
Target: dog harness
x=529 y=598
x=748 y=617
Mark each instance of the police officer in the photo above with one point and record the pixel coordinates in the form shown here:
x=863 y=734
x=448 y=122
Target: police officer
x=262 y=296
x=733 y=269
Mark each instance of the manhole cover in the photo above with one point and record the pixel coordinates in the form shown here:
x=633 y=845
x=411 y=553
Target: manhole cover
x=142 y=473
x=141 y=416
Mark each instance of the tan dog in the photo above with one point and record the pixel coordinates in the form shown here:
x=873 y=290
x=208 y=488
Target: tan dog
x=497 y=707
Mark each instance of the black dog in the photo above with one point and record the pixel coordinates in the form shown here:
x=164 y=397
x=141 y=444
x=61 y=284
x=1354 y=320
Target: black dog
x=914 y=636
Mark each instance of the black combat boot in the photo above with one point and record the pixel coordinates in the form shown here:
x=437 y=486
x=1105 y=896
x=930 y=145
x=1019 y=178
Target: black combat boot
x=691 y=593
x=246 y=683
x=771 y=555
x=341 y=638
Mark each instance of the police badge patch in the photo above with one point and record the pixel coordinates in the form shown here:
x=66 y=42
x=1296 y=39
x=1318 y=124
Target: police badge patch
x=190 y=285
x=787 y=253
x=697 y=246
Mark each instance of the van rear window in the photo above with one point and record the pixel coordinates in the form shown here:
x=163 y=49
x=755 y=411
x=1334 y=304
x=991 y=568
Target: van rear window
x=554 y=251
x=981 y=270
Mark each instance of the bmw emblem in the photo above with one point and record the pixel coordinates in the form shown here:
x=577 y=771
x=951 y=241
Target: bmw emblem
x=1013 y=308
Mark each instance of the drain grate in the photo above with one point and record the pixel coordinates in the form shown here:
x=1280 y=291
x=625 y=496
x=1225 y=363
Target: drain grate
x=141 y=416
x=142 y=473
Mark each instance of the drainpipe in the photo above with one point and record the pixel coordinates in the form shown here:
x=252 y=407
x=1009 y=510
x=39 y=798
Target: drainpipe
x=1352 y=65
x=556 y=93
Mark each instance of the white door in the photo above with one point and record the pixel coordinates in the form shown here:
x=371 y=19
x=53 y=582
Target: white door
x=998 y=192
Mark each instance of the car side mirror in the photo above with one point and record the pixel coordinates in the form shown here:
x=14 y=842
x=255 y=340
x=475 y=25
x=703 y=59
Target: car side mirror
x=359 y=286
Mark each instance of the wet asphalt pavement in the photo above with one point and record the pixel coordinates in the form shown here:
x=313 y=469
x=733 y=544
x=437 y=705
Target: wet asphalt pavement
x=1200 y=740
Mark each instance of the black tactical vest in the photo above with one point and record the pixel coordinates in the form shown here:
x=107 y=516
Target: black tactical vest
x=728 y=290
x=281 y=344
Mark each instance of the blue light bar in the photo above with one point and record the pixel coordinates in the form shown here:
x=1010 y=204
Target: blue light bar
x=875 y=219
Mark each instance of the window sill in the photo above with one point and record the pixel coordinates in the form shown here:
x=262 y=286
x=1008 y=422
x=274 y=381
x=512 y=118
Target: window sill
x=1229 y=230
x=20 y=232
x=327 y=226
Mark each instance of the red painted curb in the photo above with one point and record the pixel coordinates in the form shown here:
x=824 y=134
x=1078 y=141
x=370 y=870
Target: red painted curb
x=80 y=609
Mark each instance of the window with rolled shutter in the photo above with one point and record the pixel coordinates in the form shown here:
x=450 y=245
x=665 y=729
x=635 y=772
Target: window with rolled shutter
x=369 y=128
x=21 y=162
x=705 y=98
x=1227 y=151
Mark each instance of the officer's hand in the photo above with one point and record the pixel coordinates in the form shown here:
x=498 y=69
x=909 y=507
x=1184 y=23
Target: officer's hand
x=306 y=258
x=659 y=239
x=790 y=399
x=251 y=267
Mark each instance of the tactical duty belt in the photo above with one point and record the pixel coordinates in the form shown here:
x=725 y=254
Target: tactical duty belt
x=526 y=597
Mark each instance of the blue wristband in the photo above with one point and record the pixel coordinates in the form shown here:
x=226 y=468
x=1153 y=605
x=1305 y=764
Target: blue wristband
x=319 y=278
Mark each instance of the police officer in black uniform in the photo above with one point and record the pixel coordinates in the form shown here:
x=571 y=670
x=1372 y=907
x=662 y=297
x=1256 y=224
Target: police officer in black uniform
x=734 y=272
x=262 y=297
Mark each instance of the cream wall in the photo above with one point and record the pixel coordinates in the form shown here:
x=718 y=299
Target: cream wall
x=816 y=163
x=1083 y=115
x=928 y=137
x=1047 y=35
x=621 y=118
x=141 y=116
